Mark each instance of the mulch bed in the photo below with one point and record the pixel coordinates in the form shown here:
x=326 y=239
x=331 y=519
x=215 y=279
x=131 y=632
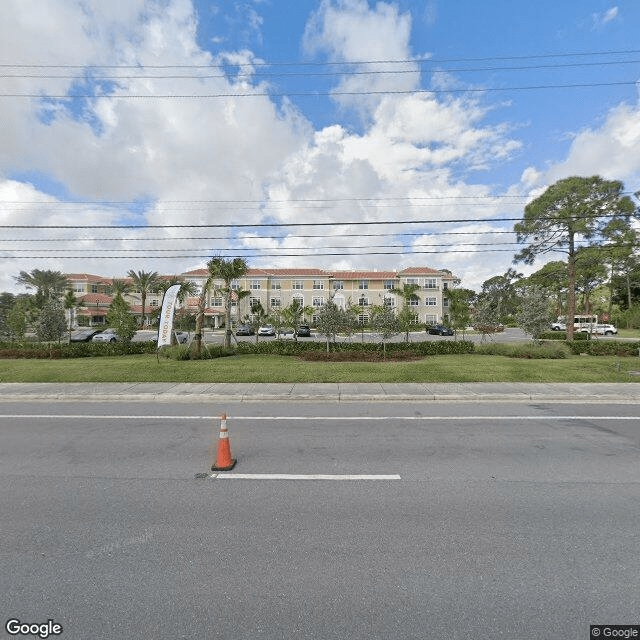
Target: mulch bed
x=355 y=356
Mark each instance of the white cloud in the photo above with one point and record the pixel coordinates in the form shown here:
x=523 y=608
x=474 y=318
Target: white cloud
x=600 y=19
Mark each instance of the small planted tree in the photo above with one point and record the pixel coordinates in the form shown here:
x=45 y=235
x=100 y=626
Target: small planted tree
x=119 y=318
x=51 y=324
x=331 y=321
x=536 y=312
x=385 y=323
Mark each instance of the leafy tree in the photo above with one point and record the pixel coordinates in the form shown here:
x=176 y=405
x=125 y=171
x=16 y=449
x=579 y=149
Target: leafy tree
x=145 y=282
x=51 y=324
x=49 y=285
x=502 y=293
x=590 y=274
x=16 y=320
x=385 y=323
x=485 y=318
x=7 y=300
x=331 y=321
x=570 y=211
x=552 y=277
x=536 y=312
x=460 y=301
x=120 y=319
x=406 y=321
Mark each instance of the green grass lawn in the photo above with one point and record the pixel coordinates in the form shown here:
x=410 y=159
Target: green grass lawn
x=262 y=368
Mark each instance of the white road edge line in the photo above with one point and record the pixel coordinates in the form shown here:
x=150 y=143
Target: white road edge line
x=297 y=476
x=307 y=418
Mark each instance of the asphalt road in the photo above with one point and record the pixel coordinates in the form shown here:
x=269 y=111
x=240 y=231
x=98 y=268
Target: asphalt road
x=514 y=521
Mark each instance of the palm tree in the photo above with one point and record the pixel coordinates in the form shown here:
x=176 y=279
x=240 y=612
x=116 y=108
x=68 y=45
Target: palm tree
x=228 y=271
x=49 y=285
x=145 y=282
x=70 y=303
x=187 y=288
x=121 y=287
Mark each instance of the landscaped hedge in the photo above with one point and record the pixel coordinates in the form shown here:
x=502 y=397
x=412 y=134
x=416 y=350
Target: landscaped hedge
x=605 y=348
x=562 y=335
x=291 y=348
x=75 y=350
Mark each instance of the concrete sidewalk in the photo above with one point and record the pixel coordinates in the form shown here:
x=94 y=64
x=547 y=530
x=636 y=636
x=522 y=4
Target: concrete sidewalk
x=348 y=392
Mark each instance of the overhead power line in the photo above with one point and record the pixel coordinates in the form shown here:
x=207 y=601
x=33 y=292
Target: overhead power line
x=258 y=63
x=316 y=94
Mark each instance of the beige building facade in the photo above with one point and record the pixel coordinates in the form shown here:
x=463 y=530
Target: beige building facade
x=278 y=288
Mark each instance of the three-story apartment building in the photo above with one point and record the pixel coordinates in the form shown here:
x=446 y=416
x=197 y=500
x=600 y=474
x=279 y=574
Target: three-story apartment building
x=278 y=288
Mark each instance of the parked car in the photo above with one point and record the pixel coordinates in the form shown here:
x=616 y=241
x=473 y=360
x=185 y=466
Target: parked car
x=440 y=330
x=108 y=335
x=83 y=335
x=267 y=330
x=244 y=330
x=182 y=337
x=558 y=326
x=605 y=329
x=304 y=331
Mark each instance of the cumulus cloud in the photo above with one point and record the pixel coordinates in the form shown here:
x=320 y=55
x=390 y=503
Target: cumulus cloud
x=600 y=19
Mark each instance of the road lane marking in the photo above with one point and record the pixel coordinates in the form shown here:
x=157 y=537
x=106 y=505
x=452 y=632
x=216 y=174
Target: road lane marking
x=306 y=418
x=299 y=476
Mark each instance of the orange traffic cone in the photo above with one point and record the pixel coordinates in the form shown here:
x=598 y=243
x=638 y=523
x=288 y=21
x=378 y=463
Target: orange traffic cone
x=224 y=461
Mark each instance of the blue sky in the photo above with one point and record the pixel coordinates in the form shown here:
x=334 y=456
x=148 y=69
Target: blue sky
x=459 y=141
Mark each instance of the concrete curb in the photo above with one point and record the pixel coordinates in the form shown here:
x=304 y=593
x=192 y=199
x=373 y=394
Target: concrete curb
x=622 y=393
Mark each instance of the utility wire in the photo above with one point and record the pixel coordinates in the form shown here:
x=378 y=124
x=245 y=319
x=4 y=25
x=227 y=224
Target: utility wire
x=316 y=94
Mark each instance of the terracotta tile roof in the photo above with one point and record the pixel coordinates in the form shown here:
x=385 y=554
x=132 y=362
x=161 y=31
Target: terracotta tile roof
x=78 y=277
x=364 y=275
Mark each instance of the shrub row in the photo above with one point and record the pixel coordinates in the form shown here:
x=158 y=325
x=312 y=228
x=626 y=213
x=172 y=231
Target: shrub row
x=290 y=348
x=578 y=336
x=527 y=350
x=605 y=348
x=75 y=350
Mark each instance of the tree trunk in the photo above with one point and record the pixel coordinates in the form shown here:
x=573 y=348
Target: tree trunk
x=571 y=293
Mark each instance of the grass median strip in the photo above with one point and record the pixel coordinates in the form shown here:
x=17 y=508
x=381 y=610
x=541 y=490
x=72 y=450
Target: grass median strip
x=288 y=369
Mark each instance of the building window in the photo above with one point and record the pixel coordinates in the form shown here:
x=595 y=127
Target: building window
x=445 y=285
x=414 y=301
x=255 y=284
x=79 y=288
x=94 y=288
x=430 y=283
x=276 y=302
x=298 y=284
x=389 y=284
x=363 y=302
x=299 y=300
x=430 y=318
x=318 y=284
x=253 y=300
x=338 y=284
x=431 y=302
x=389 y=301
x=412 y=280
x=235 y=285
x=363 y=284
x=216 y=301
x=445 y=302
x=153 y=303
x=275 y=284
x=363 y=318
x=318 y=302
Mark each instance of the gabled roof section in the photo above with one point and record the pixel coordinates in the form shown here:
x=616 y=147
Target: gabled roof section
x=420 y=271
x=364 y=275
x=87 y=277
